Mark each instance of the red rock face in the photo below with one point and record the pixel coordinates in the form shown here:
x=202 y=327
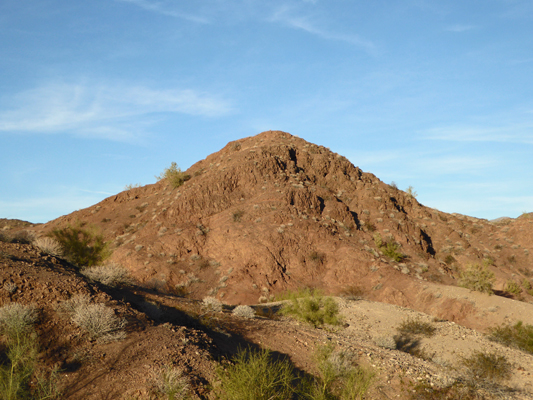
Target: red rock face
x=273 y=212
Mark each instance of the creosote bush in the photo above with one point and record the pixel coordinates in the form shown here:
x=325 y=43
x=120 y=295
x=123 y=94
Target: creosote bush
x=311 y=307
x=413 y=326
x=256 y=376
x=174 y=175
x=82 y=247
x=487 y=366
x=478 y=278
x=513 y=287
x=518 y=335
x=21 y=361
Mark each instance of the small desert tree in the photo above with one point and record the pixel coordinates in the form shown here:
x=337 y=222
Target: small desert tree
x=175 y=176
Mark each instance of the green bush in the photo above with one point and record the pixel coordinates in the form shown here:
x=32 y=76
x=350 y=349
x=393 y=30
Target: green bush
x=390 y=249
x=82 y=247
x=255 y=376
x=16 y=324
x=478 y=278
x=519 y=336
x=174 y=175
x=513 y=287
x=339 y=376
x=311 y=307
x=18 y=379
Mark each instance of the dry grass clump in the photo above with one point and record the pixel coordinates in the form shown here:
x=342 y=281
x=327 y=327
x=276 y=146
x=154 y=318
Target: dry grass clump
x=49 y=246
x=212 y=304
x=99 y=321
x=478 y=278
x=16 y=319
x=244 y=311
x=170 y=382
x=109 y=275
x=519 y=336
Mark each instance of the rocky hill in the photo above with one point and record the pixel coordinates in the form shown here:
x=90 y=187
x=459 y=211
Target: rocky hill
x=273 y=212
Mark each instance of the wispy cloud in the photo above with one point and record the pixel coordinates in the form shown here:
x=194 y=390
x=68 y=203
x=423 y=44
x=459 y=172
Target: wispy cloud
x=512 y=133
x=460 y=28
x=100 y=110
x=164 y=9
x=287 y=16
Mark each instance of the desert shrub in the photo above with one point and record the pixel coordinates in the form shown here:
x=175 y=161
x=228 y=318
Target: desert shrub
x=386 y=342
x=237 y=215
x=456 y=391
x=449 y=259
x=109 y=275
x=16 y=319
x=313 y=308
x=256 y=376
x=16 y=324
x=99 y=321
x=174 y=175
x=518 y=335
x=82 y=247
x=513 y=287
x=389 y=248
x=22 y=237
x=68 y=307
x=526 y=284
x=49 y=246
x=411 y=192
x=244 y=311
x=339 y=376
x=170 y=382
x=487 y=366
x=212 y=304
x=353 y=292
x=132 y=186
x=317 y=257
x=370 y=226
x=416 y=327
x=478 y=278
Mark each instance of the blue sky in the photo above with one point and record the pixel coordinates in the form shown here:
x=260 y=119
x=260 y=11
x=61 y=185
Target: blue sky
x=95 y=95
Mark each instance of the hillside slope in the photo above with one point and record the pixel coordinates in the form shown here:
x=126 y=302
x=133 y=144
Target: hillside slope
x=273 y=212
